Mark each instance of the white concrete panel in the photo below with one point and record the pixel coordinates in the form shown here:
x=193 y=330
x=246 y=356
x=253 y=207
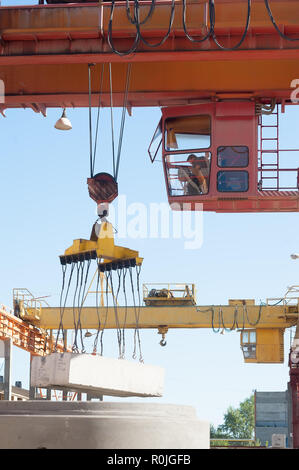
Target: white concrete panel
x=93 y=373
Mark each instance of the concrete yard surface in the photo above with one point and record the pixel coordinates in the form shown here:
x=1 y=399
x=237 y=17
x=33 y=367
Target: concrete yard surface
x=94 y=373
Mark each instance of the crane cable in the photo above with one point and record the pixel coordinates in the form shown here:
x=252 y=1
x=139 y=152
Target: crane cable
x=116 y=157
x=137 y=23
x=235 y=325
x=237 y=46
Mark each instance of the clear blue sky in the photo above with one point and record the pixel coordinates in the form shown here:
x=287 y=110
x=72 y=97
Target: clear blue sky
x=45 y=205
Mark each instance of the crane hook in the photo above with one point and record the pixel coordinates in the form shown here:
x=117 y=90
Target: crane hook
x=162 y=330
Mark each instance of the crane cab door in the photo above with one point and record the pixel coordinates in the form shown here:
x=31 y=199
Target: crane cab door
x=210 y=154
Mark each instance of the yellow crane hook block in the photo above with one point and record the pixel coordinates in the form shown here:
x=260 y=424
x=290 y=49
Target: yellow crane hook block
x=101 y=247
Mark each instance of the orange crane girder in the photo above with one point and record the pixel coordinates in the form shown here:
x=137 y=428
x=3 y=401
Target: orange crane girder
x=45 y=50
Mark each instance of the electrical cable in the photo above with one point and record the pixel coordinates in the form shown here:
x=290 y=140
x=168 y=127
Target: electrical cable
x=134 y=46
x=237 y=46
x=216 y=330
x=258 y=317
x=135 y=20
x=281 y=34
x=191 y=38
x=148 y=16
x=166 y=36
x=235 y=320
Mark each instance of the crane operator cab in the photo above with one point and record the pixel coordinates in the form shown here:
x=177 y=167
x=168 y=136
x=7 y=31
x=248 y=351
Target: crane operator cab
x=210 y=156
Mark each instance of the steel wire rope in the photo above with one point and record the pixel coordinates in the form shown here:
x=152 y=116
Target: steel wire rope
x=115 y=157
x=98 y=118
x=95 y=343
x=138 y=270
x=81 y=306
x=106 y=315
x=63 y=308
x=64 y=268
x=90 y=122
x=136 y=331
x=123 y=119
x=125 y=271
x=80 y=274
x=114 y=298
x=244 y=32
x=64 y=305
x=281 y=34
x=75 y=346
x=111 y=117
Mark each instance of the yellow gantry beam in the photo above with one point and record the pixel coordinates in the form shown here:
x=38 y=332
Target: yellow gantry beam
x=278 y=316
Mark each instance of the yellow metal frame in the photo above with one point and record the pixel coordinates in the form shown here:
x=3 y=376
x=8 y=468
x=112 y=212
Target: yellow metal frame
x=174 y=294
x=267 y=347
x=104 y=247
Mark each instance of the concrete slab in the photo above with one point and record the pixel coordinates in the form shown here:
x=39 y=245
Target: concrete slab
x=90 y=373
x=101 y=425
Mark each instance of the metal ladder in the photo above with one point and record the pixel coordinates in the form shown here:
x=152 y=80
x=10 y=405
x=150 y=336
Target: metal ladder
x=264 y=166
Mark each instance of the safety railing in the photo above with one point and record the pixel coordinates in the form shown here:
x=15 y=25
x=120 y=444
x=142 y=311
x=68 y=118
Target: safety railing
x=171 y=290
x=227 y=442
x=26 y=336
x=291 y=297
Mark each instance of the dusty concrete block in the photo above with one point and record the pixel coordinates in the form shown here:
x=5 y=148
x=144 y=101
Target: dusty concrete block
x=90 y=373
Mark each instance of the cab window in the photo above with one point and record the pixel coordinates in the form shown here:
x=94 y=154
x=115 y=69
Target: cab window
x=188 y=132
x=188 y=174
x=248 y=344
x=232 y=181
x=232 y=156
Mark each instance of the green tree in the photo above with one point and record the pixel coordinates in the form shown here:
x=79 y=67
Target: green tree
x=238 y=422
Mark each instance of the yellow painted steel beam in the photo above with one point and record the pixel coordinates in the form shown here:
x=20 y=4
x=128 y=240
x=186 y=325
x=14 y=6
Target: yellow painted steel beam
x=171 y=316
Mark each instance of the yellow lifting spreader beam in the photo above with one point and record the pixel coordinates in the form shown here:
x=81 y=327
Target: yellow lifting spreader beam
x=102 y=248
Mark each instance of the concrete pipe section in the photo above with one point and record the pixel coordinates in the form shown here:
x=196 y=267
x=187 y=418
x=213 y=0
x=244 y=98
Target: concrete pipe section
x=100 y=425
